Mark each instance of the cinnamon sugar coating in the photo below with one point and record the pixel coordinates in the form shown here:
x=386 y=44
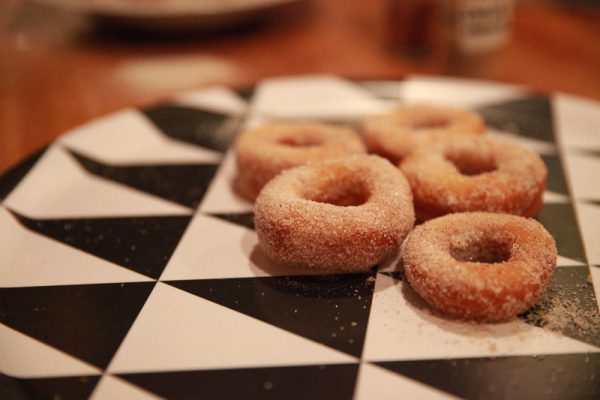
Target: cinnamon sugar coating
x=397 y=134
x=261 y=153
x=478 y=265
x=475 y=173
x=345 y=214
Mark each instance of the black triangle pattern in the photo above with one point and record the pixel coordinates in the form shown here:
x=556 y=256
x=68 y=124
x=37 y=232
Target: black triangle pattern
x=243 y=219
x=299 y=382
x=200 y=127
x=330 y=309
x=10 y=389
x=246 y=93
x=589 y=152
x=592 y=202
x=183 y=184
x=568 y=306
x=529 y=116
x=31 y=309
x=556 y=178
x=398 y=275
x=70 y=387
x=560 y=221
x=12 y=178
x=563 y=376
x=86 y=321
x=141 y=244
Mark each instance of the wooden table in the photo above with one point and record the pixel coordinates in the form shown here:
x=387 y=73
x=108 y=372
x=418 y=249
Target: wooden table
x=58 y=71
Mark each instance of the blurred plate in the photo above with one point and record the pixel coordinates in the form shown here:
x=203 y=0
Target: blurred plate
x=172 y=15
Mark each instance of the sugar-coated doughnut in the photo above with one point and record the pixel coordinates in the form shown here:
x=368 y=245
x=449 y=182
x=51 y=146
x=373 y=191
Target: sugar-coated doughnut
x=344 y=214
x=483 y=266
x=475 y=173
x=395 y=135
x=261 y=153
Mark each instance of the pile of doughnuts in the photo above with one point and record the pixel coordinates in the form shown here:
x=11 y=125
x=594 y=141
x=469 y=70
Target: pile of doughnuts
x=322 y=202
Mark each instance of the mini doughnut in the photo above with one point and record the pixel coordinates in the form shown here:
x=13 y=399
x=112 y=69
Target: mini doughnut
x=344 y=214
x=475 y=173
x=397 y=134
x=482 y=266
x=263 y=152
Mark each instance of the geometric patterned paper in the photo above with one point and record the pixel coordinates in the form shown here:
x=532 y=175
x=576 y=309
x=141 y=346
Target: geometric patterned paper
x=375 y=382
x=584 y=168
x=322 y=97
x=111 y=387
x=136 y=272
x=594 y=279
x=556 y=178
x=30 y=259
x=129 y=137
x=77 y=319
x=577 y=121
x=204 y=128
x=243 y=219
x=331 y=309
x=69 y=191
x=567 y=262
x=218 y=99
x=72 y=387
x=184 y=331
x=14 y=175
x=402 y=326
x=10 y=388
x=292 y=382
x=142 y=244
x=528 y=116
x=560 y=221
x=552 y=197
x=183 y=184
x=26 y=357
x=219 y=198
x=589 y=219
x=203 y=254
x=508 y=377
x=458 y=92
x=569 y=306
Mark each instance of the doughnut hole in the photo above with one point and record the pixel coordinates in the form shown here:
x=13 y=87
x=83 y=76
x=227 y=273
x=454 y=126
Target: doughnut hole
x=430 y=122
x=302 y=139
x=341 y=188
x=482 y=249
x=471 y=163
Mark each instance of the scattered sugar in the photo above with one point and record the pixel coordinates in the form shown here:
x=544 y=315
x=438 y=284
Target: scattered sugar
x=557 y=313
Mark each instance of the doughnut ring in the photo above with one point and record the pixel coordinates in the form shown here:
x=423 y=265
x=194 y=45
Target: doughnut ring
x=475 y=173
x=263 y=152
x=477 y=265
x=344 y=214
x=395 y=135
